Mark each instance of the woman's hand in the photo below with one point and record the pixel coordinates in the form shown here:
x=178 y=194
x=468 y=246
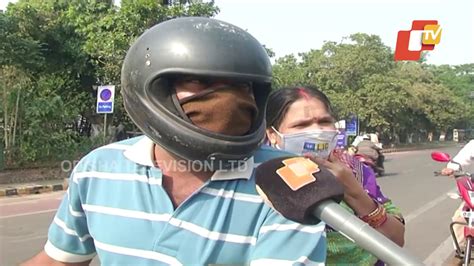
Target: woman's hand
x=354 y=194
x=342 y=173
x=359 y=201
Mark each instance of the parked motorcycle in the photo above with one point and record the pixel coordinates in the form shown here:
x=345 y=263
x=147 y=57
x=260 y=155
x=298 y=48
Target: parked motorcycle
x=465 y=185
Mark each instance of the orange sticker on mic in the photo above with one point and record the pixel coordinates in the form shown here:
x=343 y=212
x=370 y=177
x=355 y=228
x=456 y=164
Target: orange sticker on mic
x=298 y=172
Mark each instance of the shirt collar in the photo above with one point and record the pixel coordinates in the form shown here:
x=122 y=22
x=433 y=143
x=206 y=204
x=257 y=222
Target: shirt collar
x=141 y=153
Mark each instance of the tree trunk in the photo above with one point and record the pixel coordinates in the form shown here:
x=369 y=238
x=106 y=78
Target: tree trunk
x=410 y=138
x=17 y=105
x=5 y=116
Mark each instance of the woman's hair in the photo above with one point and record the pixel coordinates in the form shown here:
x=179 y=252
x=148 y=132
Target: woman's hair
x=280 y=100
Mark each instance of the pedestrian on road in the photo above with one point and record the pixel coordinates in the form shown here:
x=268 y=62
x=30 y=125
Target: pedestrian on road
x=301 y=120
x=183 y=194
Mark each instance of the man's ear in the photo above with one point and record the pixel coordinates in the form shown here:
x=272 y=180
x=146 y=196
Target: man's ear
x=272 y=136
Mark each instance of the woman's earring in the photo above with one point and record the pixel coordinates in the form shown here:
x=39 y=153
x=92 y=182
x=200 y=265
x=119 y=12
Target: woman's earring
x=272 y=142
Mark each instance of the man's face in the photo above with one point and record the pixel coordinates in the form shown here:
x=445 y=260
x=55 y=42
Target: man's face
x=189 y=85
x=219 y=105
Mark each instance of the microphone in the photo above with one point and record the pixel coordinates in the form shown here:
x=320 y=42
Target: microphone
x=305 y=192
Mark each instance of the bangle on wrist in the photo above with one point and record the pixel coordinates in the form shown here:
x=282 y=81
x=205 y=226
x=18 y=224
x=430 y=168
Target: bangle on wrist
x=377 y=217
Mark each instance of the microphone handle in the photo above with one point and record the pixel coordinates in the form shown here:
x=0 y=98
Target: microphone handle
x=363 y=235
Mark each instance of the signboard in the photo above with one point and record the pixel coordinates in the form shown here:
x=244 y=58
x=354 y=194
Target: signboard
x=341 y=124
x=105 y=99
x=352 y=126
x=341 y=139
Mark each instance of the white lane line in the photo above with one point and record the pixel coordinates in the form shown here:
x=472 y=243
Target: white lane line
x=27 y=213
x=412 y=215
x=441 y=253
x=30 y=202
x=31 y=199
x=32 y=238
x=19 y=203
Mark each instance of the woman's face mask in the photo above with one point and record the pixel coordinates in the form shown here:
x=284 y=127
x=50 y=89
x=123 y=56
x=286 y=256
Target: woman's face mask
x=318 y=143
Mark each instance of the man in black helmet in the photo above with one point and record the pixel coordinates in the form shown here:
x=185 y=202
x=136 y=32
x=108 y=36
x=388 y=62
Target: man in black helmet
x=185 y=192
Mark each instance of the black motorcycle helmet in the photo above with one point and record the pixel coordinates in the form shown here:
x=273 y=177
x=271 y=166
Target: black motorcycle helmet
x=201 y=47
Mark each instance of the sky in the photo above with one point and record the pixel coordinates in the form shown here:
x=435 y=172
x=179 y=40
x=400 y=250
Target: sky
x=290 y=27
x=301 y=25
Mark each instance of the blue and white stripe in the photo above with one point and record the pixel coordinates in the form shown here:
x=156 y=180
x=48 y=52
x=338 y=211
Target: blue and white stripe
x=116 y=207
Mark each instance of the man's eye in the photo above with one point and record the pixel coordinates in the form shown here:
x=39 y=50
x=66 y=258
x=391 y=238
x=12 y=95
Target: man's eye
x=244 y=84
x=196 y=81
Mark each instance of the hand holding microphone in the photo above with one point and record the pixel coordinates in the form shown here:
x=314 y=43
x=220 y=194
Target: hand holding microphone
x=306 y=192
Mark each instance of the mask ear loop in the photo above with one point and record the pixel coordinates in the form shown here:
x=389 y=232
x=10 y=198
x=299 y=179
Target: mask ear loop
x=282 y=137
x=202 y=93
x=197 y=95
x=278 y=133
x=178 y=103
x=178 y=107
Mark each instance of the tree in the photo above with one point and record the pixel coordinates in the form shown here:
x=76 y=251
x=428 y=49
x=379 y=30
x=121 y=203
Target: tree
x=54 y=52
x=360 y=77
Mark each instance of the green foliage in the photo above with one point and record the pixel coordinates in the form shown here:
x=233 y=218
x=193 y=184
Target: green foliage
x=269 y=51
x=287 y=71
x=17 y=49
x=52 y=53
x=395 y=98
x=460 y=81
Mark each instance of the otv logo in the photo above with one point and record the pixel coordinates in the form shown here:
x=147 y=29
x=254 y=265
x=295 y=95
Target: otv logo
x=423 y=36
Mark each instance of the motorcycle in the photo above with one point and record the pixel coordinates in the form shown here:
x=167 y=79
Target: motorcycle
x=465 y=185
x=376 y=165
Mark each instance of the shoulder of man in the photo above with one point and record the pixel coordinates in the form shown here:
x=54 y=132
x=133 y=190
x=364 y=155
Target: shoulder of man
x=107 y=157
x=266 y=152
x=471 y=143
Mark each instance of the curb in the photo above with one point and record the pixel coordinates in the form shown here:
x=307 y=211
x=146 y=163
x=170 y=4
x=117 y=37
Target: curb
x=390 y=150
x=38 y=189
x=31 y=189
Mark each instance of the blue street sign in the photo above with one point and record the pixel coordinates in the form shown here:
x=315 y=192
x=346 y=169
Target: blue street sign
x=341 y=139
x=352 y=126
x=105 y=99
x=105 y=94
x=104 y=107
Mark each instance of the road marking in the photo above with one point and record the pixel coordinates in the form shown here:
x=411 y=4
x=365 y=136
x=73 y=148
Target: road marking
x=441 y=253
x=29 y=238
x=412 y=215
x=33 y=198
x=446 y=249
x=28 y=213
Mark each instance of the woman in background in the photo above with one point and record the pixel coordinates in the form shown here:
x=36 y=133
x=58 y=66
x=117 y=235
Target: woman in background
x=301 y=120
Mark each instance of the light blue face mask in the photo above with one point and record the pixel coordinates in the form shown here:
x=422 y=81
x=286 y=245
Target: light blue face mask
x=318 y=143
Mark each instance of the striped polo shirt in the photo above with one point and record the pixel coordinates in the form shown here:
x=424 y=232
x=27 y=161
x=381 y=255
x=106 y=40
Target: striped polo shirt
x=117 y=209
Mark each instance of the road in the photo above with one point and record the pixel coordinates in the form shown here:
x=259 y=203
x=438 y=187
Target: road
x=23 y=225
x=423 y=199
x=409 y=182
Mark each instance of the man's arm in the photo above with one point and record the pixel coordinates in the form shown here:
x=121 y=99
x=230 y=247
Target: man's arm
x=43 y=259
x=69 y=241
x=284 y=242
x=464 y=157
